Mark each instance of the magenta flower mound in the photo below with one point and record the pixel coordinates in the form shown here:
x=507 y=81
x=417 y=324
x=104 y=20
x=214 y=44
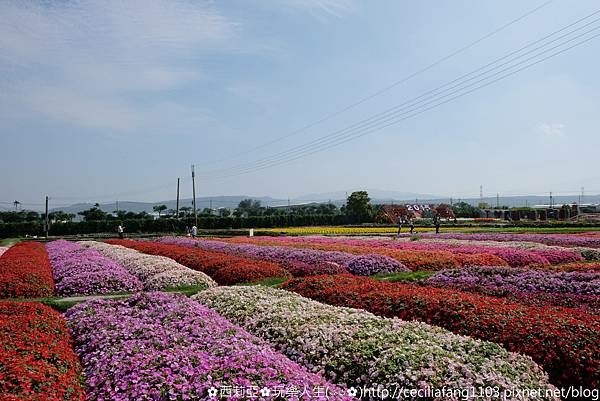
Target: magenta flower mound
x=367 y=265
x=157 y=346
x=80 y=271
x=303 y=269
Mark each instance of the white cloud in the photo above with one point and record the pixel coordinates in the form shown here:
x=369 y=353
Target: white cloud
x=85 y=62
x=550 y=130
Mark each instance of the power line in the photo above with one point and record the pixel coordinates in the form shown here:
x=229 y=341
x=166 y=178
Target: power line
x=390 y=86
x=393 y=112
x=391 y=116
x=340 y=111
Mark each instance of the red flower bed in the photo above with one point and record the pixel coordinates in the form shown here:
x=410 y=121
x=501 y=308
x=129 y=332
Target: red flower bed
x=25 y=271
x=564 y=341
x=223 y=268
x=37 y=361
x=479 y=259
x=577 y=267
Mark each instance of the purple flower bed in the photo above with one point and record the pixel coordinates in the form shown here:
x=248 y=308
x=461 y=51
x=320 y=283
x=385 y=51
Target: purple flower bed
x=277 y=254
x=157 y=346
x=367 y=265
x=548 y=239
x=502 y=281
x=80 y=271
x=302 y=269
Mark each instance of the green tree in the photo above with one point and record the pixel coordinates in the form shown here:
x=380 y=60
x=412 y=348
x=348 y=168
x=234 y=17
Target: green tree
x=59 y=215
x=224 y=212
x=185 y=211
x=463 y=209
x=121 y=214
x=93 y=214
x=159 y=209
x=250 y=207
x=358 y=207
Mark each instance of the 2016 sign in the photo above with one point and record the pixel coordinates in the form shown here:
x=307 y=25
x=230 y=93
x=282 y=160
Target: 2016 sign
x=417 y=208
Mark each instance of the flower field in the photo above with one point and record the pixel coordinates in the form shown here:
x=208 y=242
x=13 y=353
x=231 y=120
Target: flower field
x=37 y=361
x=156 y=346
x=564 y=341
x=25 y=272
x=352 y=316
x=225 y=269
x=81 y=271
x=155 y=272
x=531 y=287
x=357 y=348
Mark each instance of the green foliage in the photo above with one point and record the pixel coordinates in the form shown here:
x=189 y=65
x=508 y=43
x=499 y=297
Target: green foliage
x=463 y=209
x=268 y=282
x=358 y=207
x=404 y=276
x=19 y=216
x=159 y=209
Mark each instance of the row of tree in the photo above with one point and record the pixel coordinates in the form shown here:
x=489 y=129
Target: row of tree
x=358 y=209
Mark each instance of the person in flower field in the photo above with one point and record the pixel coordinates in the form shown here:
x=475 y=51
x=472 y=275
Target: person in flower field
x=194 y=231
x=399 y=225
x=120 y=230
x=436 y=222
x=411 y=224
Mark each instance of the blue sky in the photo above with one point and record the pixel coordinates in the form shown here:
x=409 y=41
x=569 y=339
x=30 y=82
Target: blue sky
x=104 y=100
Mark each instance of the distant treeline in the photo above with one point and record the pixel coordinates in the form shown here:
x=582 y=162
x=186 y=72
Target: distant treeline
x=168 y=225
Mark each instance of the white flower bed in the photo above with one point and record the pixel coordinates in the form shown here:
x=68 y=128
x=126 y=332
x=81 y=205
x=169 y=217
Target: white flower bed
x=155 y=272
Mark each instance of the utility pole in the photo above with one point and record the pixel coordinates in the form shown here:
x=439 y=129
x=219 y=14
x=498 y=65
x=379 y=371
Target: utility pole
x=497 y=200
x=481 y=194
x=194 y=195
x=582 y=195
x=551 y=204
x=117 y=206
x=177 y=203
x=46 y=227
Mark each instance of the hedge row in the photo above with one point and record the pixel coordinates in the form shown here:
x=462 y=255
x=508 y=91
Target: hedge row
x=168 y=225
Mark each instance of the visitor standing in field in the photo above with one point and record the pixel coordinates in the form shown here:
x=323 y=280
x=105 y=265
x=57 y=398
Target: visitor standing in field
x=399 y=225
x=411 y=224
x=120 y=230
x=436 y=222
x=194 y=231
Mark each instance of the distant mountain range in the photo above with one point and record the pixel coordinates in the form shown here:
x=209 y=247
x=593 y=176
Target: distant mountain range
x=338 y=198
